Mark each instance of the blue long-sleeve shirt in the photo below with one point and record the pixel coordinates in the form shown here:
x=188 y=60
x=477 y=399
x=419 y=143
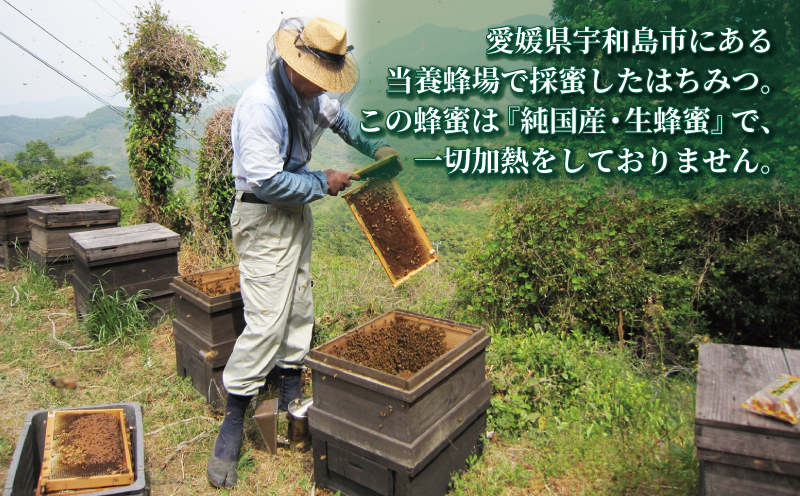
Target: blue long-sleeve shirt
x=260 y=136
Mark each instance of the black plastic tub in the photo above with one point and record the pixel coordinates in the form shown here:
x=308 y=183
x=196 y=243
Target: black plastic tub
x=23 y=475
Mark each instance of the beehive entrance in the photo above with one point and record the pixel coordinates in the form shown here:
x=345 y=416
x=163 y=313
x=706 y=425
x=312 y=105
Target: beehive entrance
x=85 y=449
x=402 y=347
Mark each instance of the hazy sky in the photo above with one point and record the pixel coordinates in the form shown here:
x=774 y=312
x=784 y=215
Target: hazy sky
x=240 y=28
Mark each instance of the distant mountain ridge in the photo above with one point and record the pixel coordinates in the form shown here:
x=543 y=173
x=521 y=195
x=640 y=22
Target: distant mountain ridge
x=103 y=130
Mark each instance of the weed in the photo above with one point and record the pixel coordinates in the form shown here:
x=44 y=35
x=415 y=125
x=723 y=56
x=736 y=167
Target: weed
x=117 y=316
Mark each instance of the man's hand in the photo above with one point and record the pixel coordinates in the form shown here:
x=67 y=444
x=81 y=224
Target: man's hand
x=338 y=181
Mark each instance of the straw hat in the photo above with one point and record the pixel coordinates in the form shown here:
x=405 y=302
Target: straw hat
x=319 y=54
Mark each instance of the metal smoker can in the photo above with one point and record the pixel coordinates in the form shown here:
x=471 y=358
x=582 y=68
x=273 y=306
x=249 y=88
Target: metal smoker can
x=299 y=435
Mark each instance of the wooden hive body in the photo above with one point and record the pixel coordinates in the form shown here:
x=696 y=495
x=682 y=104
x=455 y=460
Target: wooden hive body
x=132 y=259
x=14 y=224
x=741 y=452
x=50 y=228
x=209 y=316
x=401 y=425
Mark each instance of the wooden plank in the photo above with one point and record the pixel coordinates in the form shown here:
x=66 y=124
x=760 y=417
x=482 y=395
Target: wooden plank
x=54 y=241
x=432 y=480
x=201 y=346
x=13 y=205
x=10 y=254
x=360 y=470
x=793 y=361
x=410 y=457
x=728 y=480
x=117 y=242
x=750 y=462
x=393 y=417
x=73 y=215
x=758 y=445
x=727 y=376
x=126 y=274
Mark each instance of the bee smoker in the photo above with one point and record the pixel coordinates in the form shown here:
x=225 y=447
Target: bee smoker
x=298 y=433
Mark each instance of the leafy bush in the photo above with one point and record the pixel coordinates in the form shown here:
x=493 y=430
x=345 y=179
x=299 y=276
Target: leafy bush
x=558 y=379
x=580 y=256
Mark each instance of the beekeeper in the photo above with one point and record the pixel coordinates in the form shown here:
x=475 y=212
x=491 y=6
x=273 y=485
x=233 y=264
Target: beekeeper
x=278 y=120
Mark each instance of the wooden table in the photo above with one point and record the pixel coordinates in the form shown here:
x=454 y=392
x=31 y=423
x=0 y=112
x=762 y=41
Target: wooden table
x=740 y=452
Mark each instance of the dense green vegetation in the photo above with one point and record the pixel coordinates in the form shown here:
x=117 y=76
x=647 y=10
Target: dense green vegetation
x=163 y=78
x=39 y=170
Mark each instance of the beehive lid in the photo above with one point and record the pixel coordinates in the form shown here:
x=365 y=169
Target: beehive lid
x=130 y=241
x=392 y=228
x=15 y=205
x=85 y=449
x=73 y=215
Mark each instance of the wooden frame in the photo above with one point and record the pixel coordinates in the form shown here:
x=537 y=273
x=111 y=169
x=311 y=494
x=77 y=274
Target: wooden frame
x=48 y=485
x=434 y=257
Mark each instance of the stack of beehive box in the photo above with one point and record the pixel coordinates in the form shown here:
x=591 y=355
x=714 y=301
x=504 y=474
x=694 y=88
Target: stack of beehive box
x=15 y=230
x=209 y=316
x=132 y=259
x=50 y=229
x=376 y=433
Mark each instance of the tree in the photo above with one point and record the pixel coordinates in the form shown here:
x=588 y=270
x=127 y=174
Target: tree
x=10 y=171
x=163 y=68
x=215 y=185
x=37 y=156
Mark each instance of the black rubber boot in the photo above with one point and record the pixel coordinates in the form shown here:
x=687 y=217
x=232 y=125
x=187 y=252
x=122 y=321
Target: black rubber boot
x=290 y=387
x=225 y=456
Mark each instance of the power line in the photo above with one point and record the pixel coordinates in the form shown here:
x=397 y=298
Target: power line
x=89 y=92
x=64 y=75
x=56 y=38
x=107 y=12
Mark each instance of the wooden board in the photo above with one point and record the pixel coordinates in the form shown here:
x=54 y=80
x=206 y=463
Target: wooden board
x=108 y=244
x=54 y=241
x=58 y=269
x=82 y=214
x=215 y=354
x=152 y=273
x=340 y=466
x=13 y=205
x=727 y=376
x=206 y=379
x=742 y=452
x=217 y=323
x=719 y=479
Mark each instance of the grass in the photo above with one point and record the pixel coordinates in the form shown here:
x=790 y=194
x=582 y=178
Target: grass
x=549 y=390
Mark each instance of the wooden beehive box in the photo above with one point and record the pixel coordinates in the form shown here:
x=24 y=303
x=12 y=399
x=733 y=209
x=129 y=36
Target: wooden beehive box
x=133 y=258
x=741 y=452
x=51 y=226
x=209 y=316
x=14 y=225
x=203 y=362
x=392 y=228
x=210 y=305
x=399 y=428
